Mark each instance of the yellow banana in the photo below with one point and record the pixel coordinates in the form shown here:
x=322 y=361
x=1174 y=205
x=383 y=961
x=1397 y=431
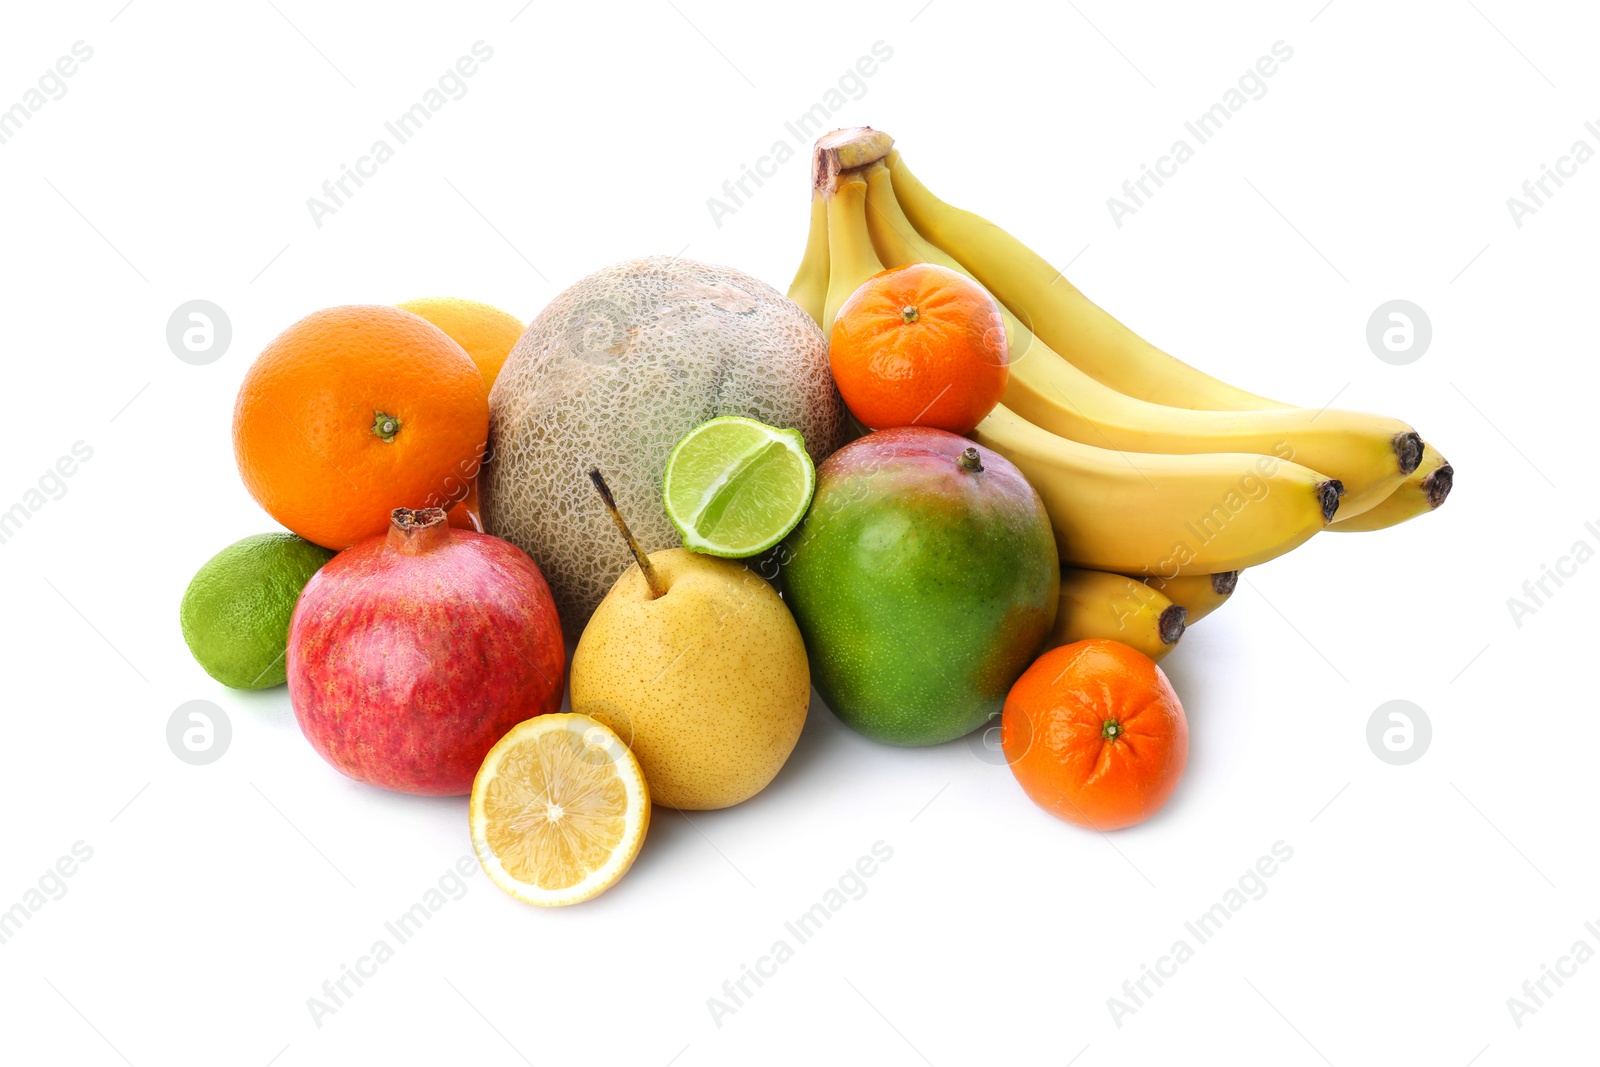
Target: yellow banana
x=1069 y=322
x=1097 y=604
x=850 y=257
x=1167 y=514
x=1186 y=514
x=810 y=286
x=1419 y=494
x=1197 y=594
x=1369 y=454
x=1097 y=343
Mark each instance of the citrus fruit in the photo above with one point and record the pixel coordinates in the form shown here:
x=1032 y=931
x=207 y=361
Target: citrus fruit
x=558 y=810
x=486 y=333
x=235 y=613
x=735 y=487
x=465 y=515
x=353 y=412
x=1095 y=734
x=920 y=345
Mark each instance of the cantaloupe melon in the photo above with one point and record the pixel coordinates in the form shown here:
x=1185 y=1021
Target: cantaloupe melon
x=611 y=375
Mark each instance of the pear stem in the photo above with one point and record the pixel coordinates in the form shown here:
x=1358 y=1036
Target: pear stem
x=658 y=589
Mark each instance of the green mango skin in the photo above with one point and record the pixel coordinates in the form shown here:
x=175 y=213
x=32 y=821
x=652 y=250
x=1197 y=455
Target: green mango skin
x=923 y=589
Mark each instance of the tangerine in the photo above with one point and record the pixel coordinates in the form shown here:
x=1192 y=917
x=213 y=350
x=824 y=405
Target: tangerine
x=920 y=345
x=1095 y=734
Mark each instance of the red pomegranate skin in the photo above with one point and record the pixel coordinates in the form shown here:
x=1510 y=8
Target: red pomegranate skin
x=412 y=653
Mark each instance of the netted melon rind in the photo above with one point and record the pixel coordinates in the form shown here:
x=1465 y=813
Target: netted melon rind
x=611 y=375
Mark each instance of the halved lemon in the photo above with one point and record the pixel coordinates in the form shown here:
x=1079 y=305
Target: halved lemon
x=559 y=810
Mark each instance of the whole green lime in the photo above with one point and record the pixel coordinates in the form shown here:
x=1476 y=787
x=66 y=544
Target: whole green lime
x=235 y=613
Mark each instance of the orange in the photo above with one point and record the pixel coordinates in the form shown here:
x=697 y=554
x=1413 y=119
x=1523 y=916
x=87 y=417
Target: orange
x=465 y=515
x=1095 y=735
x=920 y=345
x=353 y=412
x=487 y=333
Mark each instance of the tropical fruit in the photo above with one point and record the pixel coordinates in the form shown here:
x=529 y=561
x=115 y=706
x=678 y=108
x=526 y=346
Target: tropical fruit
x=353 y=412
x=1170 y=456
x=1095 y=735
x=411 y=654
x=483 y=331
x=235 y=613
x=1197 y=594
x=697 y=664
x=1098 y=604
x=925 y=579
x=558 y=810
x=612 y=374
x=734 y=487
x=1423 y=491
x=920 y=345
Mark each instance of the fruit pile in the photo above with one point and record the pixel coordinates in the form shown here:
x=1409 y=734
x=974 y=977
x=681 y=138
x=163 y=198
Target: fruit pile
x=885 y=486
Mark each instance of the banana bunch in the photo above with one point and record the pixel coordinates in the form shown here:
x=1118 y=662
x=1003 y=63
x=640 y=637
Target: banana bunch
x=1155 y=474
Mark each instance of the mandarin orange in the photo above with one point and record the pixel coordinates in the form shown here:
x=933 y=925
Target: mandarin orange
x=920 y=345
x=1095 y=735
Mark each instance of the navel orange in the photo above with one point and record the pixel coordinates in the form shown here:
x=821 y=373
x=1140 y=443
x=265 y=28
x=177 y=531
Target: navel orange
x=353 y=412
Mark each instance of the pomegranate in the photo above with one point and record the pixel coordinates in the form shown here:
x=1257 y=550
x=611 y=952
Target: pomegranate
x=412 y=653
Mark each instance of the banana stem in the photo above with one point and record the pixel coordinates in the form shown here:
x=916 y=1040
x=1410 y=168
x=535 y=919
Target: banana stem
x=846 y=149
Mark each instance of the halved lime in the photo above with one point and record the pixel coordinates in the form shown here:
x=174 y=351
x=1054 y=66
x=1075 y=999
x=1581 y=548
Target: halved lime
x=735 y=487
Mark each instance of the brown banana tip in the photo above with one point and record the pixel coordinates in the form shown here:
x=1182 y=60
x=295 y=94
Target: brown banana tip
x=1171 y=623
x=1224 y=583
x=1408 y=447
x=1438 y=485
x=1330 y=491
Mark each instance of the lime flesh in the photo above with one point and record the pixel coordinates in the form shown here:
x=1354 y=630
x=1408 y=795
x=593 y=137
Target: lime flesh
x=735 y=487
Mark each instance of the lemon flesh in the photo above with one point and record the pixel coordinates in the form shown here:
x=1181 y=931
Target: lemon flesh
x=558 y=810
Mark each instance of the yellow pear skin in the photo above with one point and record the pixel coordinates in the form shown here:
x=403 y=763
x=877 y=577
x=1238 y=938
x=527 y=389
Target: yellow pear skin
x=708 y=683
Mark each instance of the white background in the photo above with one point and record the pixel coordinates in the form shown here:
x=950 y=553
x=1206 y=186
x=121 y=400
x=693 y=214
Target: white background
x=1377 y=166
